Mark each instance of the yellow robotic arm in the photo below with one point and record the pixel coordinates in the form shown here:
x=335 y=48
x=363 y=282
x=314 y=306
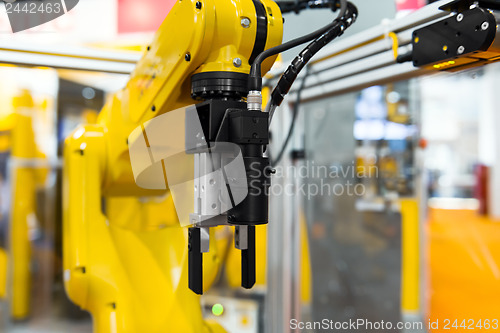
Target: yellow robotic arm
x=218 y=37
x=125 y=256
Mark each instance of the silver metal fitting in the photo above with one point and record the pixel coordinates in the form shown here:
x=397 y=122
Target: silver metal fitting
x=241 y=237
x=245 y=22
x=485 y=25
x=461 y=49
x=460 y=17
x=205 y=239
x=237 y=62
x=254 y=100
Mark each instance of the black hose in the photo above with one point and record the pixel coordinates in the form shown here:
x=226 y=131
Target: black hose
x=290 y=75
x=255 y=77
x=404 y=58
x=298 y=6
x=295 y=114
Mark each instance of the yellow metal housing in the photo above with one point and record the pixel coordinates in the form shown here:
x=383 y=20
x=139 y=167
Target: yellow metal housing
x=25 y=177
x=125 y=255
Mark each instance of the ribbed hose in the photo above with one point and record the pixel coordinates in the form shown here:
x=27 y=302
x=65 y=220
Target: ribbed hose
x=290 y=75
x=255 y=77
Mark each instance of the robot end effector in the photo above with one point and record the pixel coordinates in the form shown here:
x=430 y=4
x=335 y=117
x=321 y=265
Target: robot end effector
x=232 y=171
x=467 y=38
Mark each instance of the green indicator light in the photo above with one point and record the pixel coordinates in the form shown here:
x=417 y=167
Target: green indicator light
x=217 y=309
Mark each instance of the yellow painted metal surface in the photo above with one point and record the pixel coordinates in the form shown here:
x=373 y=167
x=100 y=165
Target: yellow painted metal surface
x=3 y=273
x=130 y=280
x=125 y=257
x=464 y=269
x=410 y=275
x=6 y=124
x=306 y=270
x=4 y=142
x=23 y=184
x=162 y=78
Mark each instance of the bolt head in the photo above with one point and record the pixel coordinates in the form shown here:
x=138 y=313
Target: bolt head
x=237 y=62
x=461 y=49
x=198 y=5
x=485 y=26
x=187 y=57
x=460 y=17
x=245 y=22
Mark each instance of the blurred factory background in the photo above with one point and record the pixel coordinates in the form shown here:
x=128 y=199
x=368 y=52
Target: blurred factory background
x=412 y=236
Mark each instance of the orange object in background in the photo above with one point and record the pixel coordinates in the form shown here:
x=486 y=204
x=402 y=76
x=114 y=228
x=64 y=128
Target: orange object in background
x=464 y=269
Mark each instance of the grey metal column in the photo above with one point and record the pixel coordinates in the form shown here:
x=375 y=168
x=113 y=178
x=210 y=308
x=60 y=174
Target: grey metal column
x=283 y=264
x=296 y=202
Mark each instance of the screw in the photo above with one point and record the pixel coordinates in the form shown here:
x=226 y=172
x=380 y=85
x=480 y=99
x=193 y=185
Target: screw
x=237 y=62
x=245 y=22
x=198 y=5
x=187 y=57
x=270 y=172
x=460 y=17
x=461 y=49
x=485 y=26
x=153 y=108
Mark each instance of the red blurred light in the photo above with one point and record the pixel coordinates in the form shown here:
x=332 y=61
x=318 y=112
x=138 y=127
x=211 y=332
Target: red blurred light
x=142 y=15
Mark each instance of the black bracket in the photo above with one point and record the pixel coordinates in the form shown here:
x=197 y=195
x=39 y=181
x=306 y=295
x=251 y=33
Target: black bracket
x=223 y=120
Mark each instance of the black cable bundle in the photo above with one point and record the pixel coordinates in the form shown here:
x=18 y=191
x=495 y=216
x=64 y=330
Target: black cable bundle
x=295 y=114
x=290 y=75
x=298 y=6
x=255 y=77
x=320 y=38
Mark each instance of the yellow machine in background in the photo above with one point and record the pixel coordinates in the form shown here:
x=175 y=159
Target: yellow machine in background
x=125 y=255
x=27 y=173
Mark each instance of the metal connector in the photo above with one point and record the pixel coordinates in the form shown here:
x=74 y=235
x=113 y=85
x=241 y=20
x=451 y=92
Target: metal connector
x=254 y=100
